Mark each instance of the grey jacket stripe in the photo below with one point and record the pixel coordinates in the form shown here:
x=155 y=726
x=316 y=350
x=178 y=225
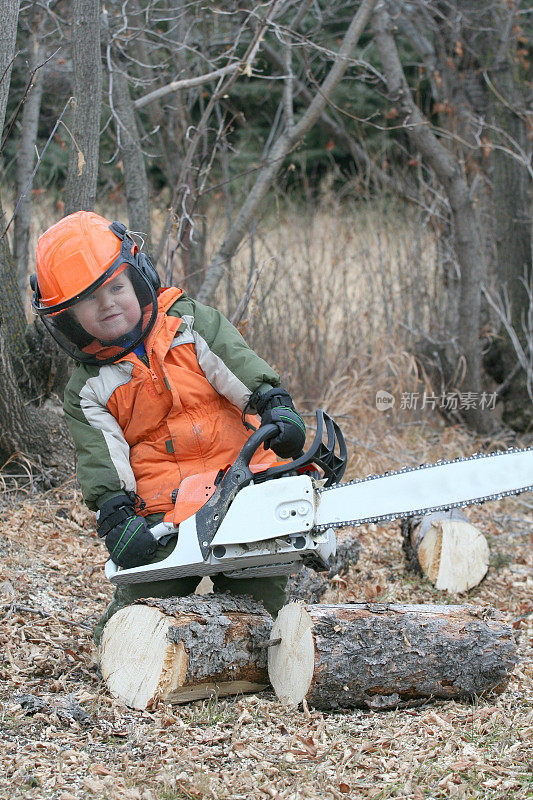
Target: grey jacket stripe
x=93 y=400
x=185 y=337
x=215 y=370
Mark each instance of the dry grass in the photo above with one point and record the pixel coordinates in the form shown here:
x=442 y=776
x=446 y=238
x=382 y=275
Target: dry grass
x=336 y=284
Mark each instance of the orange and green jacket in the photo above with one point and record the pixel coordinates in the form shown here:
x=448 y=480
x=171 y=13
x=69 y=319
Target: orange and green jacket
x=144 y=424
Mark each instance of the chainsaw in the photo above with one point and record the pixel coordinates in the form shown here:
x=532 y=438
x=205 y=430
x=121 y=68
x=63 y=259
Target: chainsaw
x=247 y=521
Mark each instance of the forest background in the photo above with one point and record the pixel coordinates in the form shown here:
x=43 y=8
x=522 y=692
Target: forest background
x=349 y=182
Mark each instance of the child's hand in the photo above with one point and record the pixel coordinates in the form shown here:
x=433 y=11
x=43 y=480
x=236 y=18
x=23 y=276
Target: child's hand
x=127 y=536
x=276 y=406
x=290 y=440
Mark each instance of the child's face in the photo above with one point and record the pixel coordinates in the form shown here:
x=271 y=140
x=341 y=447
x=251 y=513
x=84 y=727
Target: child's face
x=111 y=311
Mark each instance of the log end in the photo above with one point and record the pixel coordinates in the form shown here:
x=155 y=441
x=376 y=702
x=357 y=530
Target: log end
x=291 y=663
x=463 y=557
x=138 y=662
x=451 y=552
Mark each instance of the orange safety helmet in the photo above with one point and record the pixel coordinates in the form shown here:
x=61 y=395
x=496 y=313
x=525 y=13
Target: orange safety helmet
x=75 y=258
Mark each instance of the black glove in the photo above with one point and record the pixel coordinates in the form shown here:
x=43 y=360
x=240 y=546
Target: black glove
x=127 y=536
x=276 y=406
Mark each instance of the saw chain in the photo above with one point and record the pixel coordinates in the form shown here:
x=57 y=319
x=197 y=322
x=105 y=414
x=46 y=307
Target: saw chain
x=429 y=509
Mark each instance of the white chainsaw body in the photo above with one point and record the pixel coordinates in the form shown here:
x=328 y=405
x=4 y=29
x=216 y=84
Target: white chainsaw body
x=268 y=530
x=271 y=524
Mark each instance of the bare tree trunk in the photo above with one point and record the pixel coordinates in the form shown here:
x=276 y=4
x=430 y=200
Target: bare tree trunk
x=129 y=142
x=12 y=320
x=26 y=160
x=512 y=196
x=9 y=13
x=279 y=152
x=448 y=171
x=84 y=150
x=38 y=433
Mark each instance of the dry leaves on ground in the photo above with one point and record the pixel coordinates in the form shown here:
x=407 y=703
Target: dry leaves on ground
x=64 y=737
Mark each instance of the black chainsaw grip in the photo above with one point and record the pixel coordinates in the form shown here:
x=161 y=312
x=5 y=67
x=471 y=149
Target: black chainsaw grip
x=209 y=517
x=254 y=443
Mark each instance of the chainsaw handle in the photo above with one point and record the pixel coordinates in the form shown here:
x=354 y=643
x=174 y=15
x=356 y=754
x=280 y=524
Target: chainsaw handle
x=254 y=442
x=209 y=517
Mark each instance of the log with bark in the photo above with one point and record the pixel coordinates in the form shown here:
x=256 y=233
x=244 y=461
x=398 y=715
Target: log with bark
x=451 y=552
x=185 y=648
x=381 y=656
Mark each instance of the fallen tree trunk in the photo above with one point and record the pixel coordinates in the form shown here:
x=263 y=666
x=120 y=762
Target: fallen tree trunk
x=380 y=656
x=185 y=648
x=451 y=552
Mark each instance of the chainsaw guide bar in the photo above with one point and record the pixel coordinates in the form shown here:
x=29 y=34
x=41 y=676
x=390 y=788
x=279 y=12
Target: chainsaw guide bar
x=510 y=469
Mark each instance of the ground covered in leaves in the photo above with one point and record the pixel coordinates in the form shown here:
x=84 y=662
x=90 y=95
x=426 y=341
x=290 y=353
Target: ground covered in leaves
x=62 y=736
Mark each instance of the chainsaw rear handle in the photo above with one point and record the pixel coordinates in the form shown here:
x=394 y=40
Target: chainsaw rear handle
x=210 y=516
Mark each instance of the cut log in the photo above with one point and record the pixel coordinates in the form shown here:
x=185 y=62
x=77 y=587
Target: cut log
x=451 y=552
x=185 y=648
x=380 y=656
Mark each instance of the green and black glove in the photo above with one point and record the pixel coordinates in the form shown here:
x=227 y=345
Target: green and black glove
x=127 y=536
x=276 y=406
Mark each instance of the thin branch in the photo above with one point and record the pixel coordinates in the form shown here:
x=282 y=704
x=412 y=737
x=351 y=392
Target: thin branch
x=281 y=149
x=288 y=87
x=23 y=99
x=222 y=89
x=187 y=83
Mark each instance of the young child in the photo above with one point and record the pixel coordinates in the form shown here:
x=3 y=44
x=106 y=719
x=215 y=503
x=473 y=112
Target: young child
x=159 y=392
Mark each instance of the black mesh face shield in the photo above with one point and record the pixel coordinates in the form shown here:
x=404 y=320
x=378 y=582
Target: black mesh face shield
x=108 y=323
x=111 y=317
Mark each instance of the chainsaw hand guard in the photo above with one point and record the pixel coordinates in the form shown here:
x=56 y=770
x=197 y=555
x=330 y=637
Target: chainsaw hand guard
x=321 y=454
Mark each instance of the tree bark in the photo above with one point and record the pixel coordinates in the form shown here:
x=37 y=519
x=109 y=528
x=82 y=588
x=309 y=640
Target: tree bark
x=448 y=172
x=447 y=549
x=36 y=433
x=9 y=13
x=84 y=149
x=129 y=142
x=184 y=649
x=512 y=197
x=26 y=159
x=12 y=319
x=282 y=147
x=381 y=656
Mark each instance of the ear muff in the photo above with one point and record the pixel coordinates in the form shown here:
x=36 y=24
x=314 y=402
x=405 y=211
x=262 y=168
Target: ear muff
x=141 y=284
x=144 y=262
x=148 y=270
